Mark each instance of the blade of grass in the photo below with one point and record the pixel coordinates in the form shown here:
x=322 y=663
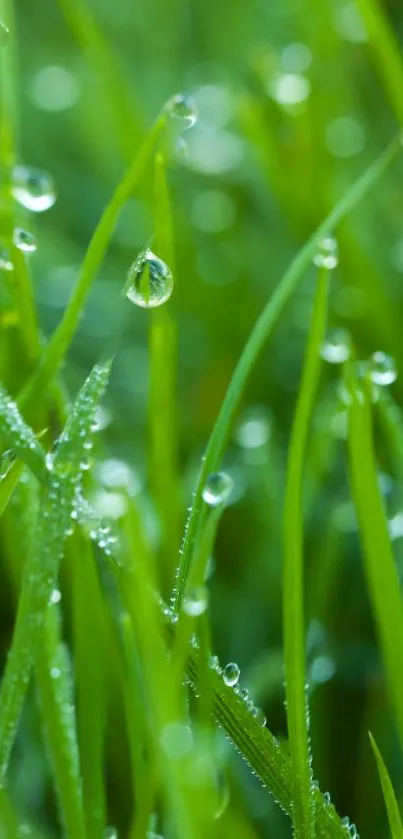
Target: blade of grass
x=41 y=569
x=9 y=482
x=58 y=345
x=55 y=691
x=392 y=807
x=379 y=563
x=387 y=53
x=20 y=437
x=293 y=565
x=257 y=339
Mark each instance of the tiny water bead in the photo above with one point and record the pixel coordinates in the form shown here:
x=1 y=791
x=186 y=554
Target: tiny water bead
x=4 y=34
x=259 y=715
x=327 y=254
x=382 y=369
x=182 y=107
x=149 y=281
x=33 y=188
x=195 y=601
x=231 y=674
x=336 y=349
x=217 y=489
x=23 y=240
x=6 y=263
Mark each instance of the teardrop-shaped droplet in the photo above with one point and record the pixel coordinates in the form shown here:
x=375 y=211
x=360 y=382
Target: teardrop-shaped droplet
x=5 y=261
x=4 y=34
x=181 y=107
x=217 y=489
x=259 y=715
x=149 y=281
x=327 y=254
x=33 y=188
x=24 y=240
x=195 y=601
x=337 y=347
x=382 y=369
x=231 y=674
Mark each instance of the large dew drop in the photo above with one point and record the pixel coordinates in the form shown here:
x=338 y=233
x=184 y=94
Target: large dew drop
x=195 y=601
x=217 y=489
x=23 y=240
x=327 y=254
x=337 y=347
x=149 y=281
x=33 y=188
x=382 y=369
x=182 y=108
x=231 y=674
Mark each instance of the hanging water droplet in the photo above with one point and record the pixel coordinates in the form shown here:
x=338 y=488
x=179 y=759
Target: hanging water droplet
x=56 y=596
x=244 y=694
x=337 y=347
x=259 y=715
x=4 y=34
x=5 y=261
x=382 y=369
x=149 y=281
x=327 y=253
x=33 y=188
x=217 y=489
x=181 y=107
x=213 y=662
x=327 y=798
x=231 y=674
x=195 y=601
x=24 y=240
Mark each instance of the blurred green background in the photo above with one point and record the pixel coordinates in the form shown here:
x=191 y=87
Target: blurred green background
x=291 y=110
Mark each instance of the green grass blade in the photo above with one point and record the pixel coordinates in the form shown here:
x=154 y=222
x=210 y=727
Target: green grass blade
x=55 y=690
x=41 y=569
x=392 y=807
x=379 y=563
x=54 y=353
x=162 y=407
x=257 y=339
x=387 y=52
x=20 y=437
x=9 y=482
x=293 y=566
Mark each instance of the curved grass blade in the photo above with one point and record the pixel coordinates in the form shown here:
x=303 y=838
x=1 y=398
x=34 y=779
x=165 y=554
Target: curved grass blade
x=387 y=53
x=20 y=437
x=392 y=807
x=379 y=563
x=41 y=569
x=54 y=353
x=55 y=690
x=293 y=586
x=257 y=339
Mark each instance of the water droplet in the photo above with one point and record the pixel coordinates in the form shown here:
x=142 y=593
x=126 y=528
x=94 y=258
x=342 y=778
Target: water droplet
x=182 y=108
x=23 y=240
x=176 y=740
x=56 y=596
x=217 y=489
x=337 y=347
x=110 y=833
x=327 y=254
x=196 y=601
x=322 y=669
x=5 y=261
x=382 y=370
x=4 y=34
x=244 y=694
x=214 y=663
x=33 y=188
x=327 y=798
x=231 y=674
x=149 y=281
x=259 y=715
x=289 y=88
x=55 y=673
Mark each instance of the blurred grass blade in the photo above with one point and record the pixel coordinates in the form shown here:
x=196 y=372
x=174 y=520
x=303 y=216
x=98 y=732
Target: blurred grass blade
x=387 y=52
x=392 y=807
x=20 y=437
x=256 y=341
x=162 y=405
x=41 y=569
x=60 y=341
x=379 y=563
x=293 y=575
x=9 y=482
x=55 y=689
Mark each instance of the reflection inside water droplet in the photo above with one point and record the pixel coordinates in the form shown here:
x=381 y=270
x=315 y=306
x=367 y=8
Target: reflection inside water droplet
x=23 y=240
x=231 y=674
x=217 y=489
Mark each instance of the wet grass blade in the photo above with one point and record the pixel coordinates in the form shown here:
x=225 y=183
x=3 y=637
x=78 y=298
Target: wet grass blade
x=9 y=482
x=20 y=437
x=379 y=563
x=256 y=341
x=293 y=575
x=55 y=690
x=41 y=569
x=392 y=807
x=54 y=353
